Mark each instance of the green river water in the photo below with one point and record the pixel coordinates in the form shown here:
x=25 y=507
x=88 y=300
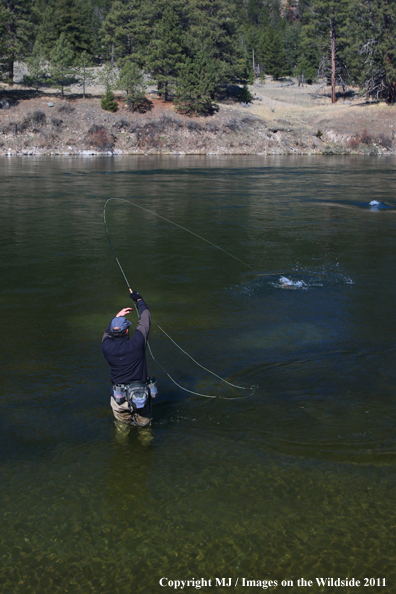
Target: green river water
x=297 y=480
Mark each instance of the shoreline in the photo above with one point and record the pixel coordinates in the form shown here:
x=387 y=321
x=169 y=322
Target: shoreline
x=85 y=154
x=91 y=154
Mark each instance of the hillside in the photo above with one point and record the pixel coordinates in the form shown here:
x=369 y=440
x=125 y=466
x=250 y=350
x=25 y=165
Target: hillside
x=282 y=119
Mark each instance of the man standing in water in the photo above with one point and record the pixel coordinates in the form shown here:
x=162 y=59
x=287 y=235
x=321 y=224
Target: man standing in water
x=125 y=354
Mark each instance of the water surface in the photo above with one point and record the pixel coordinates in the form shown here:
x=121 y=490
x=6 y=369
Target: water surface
x=296 y=480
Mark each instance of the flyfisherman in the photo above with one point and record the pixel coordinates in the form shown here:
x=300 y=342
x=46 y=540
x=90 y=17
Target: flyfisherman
x=125 y=354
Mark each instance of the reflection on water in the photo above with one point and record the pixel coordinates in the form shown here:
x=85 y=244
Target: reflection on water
x=297 y=479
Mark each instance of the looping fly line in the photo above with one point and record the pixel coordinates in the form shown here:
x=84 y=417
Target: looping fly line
x=161 y=329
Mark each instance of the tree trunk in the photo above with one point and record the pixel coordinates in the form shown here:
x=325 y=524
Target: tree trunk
x=391 y=93
x=333 y=66
x=11 y=71
x=390 y=84
x=254 y=65
x=10 y=59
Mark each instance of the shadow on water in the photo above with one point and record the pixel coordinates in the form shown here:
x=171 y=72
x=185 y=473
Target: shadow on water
x=373 y=205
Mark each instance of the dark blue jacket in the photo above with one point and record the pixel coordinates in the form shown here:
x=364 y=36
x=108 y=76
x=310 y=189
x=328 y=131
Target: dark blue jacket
x=126 y=355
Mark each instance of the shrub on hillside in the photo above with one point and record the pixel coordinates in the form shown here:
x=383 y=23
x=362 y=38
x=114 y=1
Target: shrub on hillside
x=32 y=120
x=233 y=124
x=385 y=141
x=99 y=138
x=107 y=102
x=66 y=108
x=120 y=124
x=56 y=122
x=38 y=117
x=365 y=137
x=245 y=95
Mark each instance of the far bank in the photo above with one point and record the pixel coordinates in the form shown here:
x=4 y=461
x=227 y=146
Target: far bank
x=283 y=118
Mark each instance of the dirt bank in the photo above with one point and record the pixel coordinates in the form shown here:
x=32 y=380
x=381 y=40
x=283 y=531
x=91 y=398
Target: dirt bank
x=282 y=119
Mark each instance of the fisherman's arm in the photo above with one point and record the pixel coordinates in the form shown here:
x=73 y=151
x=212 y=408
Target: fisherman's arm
x=144 y=315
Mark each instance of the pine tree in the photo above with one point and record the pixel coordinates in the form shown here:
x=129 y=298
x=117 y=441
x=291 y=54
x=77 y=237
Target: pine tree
x=166 y=55
x=213 y=30
x=273 y=54
x=324 y=27
x=3 y=31
x=307 y=58
x=36 y=65
x=61 y=64
x=18 y=26
x=276 y=14
x=257 y=12
x=306 y=69
x=107 y=102
x=375 y=34
x=47 y=32
x=131 y=80
x=245 y=95
x=126 y=29
x=257 y=17
x=196 y=85
x=108 y=76
x=77 y=19
x=291 y=45
x=83 y=70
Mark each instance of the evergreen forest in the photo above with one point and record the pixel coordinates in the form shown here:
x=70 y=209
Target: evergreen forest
x=194 y=48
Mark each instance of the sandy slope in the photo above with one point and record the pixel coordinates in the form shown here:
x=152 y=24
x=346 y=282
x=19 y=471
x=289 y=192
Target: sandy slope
x=309 y=108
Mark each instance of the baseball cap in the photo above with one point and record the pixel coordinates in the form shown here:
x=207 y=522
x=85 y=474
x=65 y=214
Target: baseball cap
x=119 y=324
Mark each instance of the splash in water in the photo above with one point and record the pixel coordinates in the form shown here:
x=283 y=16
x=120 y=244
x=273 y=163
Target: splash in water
x=375 y=205
x=286 y=283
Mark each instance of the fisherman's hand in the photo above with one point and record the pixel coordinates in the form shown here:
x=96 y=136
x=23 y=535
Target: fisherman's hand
x=124 y=312
x=135 y=295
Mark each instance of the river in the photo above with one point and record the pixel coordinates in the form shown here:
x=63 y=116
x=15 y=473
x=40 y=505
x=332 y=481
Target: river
x=293 y=477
